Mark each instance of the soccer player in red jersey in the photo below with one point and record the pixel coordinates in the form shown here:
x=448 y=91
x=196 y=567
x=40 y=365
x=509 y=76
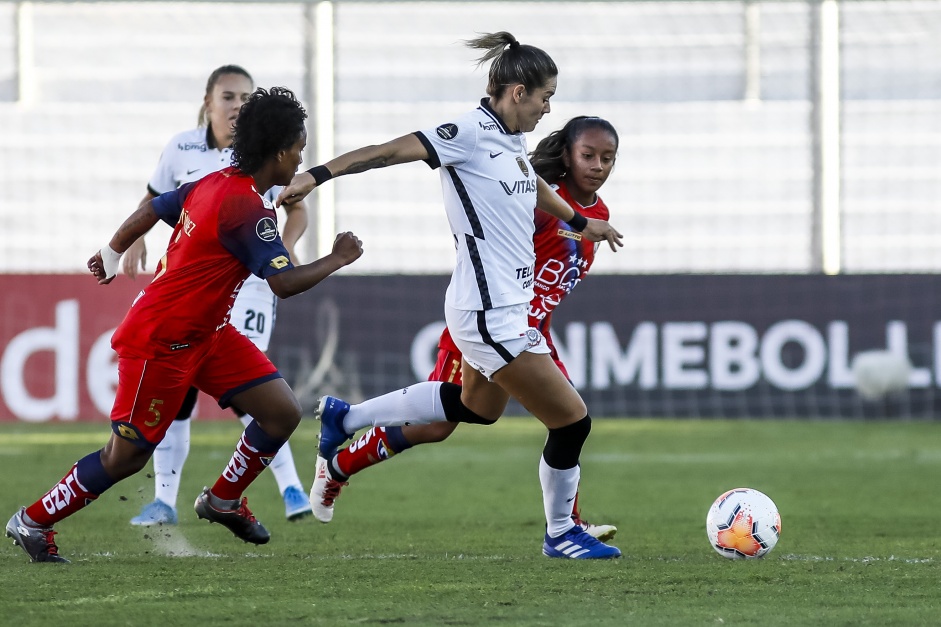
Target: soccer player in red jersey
x=576 y=160
x=176 y=333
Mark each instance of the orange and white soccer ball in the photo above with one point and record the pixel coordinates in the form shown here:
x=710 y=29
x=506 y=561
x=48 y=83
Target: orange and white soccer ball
x=743 y=524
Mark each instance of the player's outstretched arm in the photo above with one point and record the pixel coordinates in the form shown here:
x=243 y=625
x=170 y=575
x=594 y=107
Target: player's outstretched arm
x=347 y=248
x=136 y=254
x=602 y=231
x=594 y=230
x=104 y=264
x=403 y=149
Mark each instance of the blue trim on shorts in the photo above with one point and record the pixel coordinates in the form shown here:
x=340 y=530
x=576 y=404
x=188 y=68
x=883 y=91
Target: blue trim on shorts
x=127 y=431
x=225 y=398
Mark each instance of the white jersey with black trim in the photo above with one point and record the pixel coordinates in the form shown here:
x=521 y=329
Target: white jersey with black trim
x=489 y=189
x=189 y=157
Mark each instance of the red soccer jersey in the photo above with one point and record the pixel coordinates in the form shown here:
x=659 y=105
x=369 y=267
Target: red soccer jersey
x=224 y=230
x=563 y=258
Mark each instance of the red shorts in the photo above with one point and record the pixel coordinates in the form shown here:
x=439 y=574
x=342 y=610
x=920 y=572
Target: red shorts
x=448 y=366
x=151 y=391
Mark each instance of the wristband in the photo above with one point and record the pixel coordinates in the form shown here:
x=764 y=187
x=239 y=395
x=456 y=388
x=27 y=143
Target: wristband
x=320 y=173
x=109 y=261
x=578 y=222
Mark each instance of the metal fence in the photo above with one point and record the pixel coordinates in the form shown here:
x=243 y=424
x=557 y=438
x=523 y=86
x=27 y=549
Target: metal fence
x=756 y=136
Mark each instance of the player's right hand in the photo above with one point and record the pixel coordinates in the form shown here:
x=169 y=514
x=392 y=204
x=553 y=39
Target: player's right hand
x=347 y=247
x=602 y=231
x=97 y=268
x=136 y=254
x=301 y=185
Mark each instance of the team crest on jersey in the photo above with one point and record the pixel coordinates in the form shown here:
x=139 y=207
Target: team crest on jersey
x=523 y=167
x=534 y=337
x=447 y=131
x=266 y=229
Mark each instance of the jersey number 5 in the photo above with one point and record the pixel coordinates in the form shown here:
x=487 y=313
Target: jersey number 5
x=156 y=412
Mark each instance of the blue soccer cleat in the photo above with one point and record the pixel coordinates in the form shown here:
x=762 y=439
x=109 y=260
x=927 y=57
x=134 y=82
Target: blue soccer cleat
x=330 y=413
x=577 y=544
x=296 y=503
x=156 y=513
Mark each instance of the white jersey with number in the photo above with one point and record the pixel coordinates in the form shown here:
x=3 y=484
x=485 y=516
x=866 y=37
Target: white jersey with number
x=188 y=157
x=489 y=189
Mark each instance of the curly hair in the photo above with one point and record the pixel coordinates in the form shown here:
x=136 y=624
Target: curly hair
x=547 y=156
x=268 y=122
x=513 y=63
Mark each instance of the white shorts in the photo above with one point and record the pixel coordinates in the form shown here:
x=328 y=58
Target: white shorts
x=491 y=339
x=254 y=311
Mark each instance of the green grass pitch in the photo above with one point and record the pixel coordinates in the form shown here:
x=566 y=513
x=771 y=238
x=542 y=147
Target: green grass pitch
x=451 y=534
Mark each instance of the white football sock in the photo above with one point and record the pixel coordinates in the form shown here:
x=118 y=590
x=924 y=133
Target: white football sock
x=282 y=465
x=559 y=488
x=418 y=404
x=169 y=457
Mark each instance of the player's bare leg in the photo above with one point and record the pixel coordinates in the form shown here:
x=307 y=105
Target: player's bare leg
x=296 y=505
x=537 y=383
x=375 y=446
x=277 y=414
x=32 y=527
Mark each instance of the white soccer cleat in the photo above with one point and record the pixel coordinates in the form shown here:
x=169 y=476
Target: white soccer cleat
x=599 y=532
x=324 y=492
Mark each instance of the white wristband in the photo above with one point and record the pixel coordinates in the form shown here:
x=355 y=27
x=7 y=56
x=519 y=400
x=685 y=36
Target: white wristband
x=109 y=261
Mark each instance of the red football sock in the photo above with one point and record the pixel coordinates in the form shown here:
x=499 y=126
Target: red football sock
x=84 y=483
x=253 y=454
x=373 y=447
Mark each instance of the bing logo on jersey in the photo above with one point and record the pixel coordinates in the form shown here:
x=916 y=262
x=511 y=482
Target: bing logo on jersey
x=267 y=229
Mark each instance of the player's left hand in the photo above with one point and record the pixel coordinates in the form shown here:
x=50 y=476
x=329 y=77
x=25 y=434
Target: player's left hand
x=347 y=247
x=601 y=230
x=301 y=185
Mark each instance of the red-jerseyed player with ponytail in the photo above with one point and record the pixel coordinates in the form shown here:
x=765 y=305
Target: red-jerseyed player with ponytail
x=577 y=160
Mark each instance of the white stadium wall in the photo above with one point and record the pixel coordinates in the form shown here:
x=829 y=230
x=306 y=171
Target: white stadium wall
x=718 y=168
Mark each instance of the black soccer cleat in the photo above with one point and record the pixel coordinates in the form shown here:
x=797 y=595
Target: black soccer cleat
x=38 y=542
x=239 y=520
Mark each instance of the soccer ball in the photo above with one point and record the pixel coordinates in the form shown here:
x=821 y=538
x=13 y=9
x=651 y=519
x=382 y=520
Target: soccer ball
x=743 y=524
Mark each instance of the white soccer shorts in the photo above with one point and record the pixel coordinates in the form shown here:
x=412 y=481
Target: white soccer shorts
x=493 y=338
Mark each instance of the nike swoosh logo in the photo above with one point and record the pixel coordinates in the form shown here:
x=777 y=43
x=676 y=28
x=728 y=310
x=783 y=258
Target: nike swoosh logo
x=570 y=500
x=188 y=172
x=495 y=155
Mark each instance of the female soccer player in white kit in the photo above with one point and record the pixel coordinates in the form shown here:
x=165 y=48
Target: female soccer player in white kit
x=490 y=193
x=189 y=156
